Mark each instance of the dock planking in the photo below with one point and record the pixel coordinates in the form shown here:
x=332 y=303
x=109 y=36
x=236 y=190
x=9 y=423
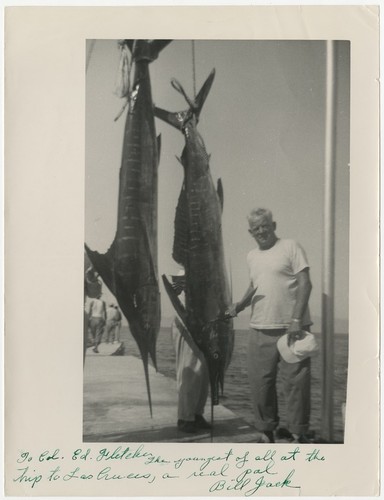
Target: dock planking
x=115 y=407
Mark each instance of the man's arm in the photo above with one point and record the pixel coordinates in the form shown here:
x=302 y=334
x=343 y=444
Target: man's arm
x=237 y=307
x=303 y=293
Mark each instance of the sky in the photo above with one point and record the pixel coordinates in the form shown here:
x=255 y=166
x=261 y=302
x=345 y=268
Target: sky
x=263 y=124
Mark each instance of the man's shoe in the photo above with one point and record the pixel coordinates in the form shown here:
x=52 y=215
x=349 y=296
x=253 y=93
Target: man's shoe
x=303 y=438
x=265 y=437
x=186 y=426
x=284 y=435
x=270 y=436
x=201 y=423
x=96 y=350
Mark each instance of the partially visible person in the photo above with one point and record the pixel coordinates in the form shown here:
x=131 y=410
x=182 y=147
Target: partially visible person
x=92 y=289
x=118 y=318
x=85 y=330
x=110 y=325
x=97 y=316
x=192 y=376
x=85 y=312
x=113 y=324
x=278 y=292
x=92 y=283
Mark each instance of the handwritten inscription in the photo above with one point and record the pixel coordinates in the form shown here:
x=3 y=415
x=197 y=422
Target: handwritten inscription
x=247 y=473
x=247 y=483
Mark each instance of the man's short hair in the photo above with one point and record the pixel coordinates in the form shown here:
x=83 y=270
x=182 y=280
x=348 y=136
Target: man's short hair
x=256 y=213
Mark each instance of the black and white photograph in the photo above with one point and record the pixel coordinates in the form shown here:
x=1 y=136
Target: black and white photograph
x=191 y=251
x=217 y=240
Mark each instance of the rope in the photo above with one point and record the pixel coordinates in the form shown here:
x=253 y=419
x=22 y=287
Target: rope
x=122 y=88
x=193 y=69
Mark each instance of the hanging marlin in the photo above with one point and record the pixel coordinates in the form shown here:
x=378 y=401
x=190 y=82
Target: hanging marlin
x=198 y=246
x=129 y=268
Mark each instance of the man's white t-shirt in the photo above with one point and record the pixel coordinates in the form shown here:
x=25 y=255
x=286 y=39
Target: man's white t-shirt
x=272 y=273
x=111 y=313
x=97 y=308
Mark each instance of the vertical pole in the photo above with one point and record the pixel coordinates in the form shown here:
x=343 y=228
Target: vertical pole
x=194 y=69
x=329 y=247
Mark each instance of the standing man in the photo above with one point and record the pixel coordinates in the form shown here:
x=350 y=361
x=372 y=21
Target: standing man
x=97 y=314
x=279 y=291
x=92 y=288
x=192 y=376
x=118 y=319
x=110 y=325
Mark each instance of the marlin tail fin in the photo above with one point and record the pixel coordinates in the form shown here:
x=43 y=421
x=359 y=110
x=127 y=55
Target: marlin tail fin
x=146 y=49
x=178 y=119
x=203 y=93
x=174 y=119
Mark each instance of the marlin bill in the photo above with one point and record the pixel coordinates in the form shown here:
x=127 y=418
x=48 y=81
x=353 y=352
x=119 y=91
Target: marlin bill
x=129 y=268
x=198 y=245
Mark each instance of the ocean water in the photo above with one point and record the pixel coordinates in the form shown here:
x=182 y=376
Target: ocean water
x=236 y=387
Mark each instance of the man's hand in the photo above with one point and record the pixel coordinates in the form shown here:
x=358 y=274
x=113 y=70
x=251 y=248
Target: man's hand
x=231 y=312
x=294 y=331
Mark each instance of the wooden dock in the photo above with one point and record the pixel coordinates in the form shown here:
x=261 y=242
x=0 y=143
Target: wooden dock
x=116 y=407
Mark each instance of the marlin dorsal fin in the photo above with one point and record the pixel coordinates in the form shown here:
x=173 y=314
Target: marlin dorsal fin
x=176 y=302
x=104 y=265
x=220 y=193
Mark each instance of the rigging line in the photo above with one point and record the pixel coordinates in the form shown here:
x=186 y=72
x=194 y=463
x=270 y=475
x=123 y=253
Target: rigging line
x=193 y=69
x=89 y=53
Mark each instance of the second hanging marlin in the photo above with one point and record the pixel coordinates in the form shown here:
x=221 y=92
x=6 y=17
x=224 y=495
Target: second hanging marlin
x=198 y=245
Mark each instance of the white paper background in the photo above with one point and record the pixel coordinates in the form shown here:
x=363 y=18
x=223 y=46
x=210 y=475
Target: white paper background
x=44 y=210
